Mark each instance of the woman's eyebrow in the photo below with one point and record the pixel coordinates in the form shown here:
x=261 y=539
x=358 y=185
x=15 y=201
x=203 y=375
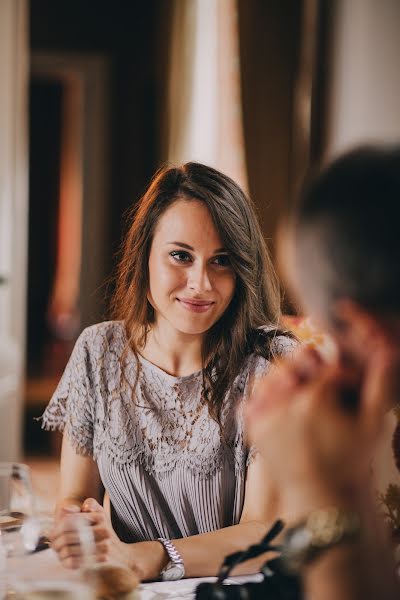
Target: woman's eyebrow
x=181 y=244
x=187 y=247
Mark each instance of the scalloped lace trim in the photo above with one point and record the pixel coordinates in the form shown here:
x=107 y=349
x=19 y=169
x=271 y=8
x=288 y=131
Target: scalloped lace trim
x=167 y=425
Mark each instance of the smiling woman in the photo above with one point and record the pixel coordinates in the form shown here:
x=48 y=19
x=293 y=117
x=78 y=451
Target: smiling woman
x=151 y=402
x=195 y=277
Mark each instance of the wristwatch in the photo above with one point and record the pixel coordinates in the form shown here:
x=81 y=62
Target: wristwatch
x=175 y=569
x=322 y=530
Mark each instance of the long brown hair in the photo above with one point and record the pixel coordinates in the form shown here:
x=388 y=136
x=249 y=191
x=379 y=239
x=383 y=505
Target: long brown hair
x=256 y=301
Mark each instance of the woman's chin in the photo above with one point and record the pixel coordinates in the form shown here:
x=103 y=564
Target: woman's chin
x=193 y=328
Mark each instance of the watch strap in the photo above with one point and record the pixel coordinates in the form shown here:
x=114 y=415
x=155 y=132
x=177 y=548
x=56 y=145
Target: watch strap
x=171 y=573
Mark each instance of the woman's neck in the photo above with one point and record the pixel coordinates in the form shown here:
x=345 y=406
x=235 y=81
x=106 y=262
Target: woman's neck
x=174 y=352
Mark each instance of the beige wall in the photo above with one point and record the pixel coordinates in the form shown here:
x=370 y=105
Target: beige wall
x=364 y=99
x=13 y=219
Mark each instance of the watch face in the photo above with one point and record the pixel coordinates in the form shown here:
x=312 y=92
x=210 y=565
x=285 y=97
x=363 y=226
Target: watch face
x=173 y=572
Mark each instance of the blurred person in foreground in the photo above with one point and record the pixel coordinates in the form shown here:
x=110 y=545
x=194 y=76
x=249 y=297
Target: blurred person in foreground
x=317 y=422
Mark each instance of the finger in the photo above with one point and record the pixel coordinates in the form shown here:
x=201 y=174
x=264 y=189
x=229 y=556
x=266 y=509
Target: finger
x=68 y=539
x=70 y=551
x=99 y=534
x=103 y=547
x=70 y=508
x=70 y=523
x=98 y=522
x=307 y=363
x=91 y=505
x=303 y=366
x=95 y=517
x=102 y=558
x=71 y=562
x=279 y=380
x=67 y=509
x=274 y=389
x=328 y=387
x=76 y=550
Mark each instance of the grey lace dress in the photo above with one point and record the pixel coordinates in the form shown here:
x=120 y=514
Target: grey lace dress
x=162 y=460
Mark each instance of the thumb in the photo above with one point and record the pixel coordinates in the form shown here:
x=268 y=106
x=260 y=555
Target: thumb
x=91 y=505
x=68 y=509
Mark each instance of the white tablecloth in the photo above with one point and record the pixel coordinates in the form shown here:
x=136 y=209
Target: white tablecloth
x=45 y=565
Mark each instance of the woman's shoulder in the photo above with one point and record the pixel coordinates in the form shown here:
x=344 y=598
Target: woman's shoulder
x=274 y=343
x=279 y=341
x=283 y=343
x=107 y=335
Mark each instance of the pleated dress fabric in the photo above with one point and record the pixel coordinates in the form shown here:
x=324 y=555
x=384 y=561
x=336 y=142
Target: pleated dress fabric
x=168 y=470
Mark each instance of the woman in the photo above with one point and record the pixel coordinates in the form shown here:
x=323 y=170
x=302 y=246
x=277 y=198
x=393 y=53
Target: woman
x=340 y=254
x=151 y=402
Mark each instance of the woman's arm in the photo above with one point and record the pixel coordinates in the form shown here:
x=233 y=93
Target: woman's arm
x=318 y=452
x=357 y=569
x=349 y=572
x=80 y=478
x=202 y=554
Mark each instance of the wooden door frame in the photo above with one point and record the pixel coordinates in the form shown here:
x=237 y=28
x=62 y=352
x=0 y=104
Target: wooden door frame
x=92 y=73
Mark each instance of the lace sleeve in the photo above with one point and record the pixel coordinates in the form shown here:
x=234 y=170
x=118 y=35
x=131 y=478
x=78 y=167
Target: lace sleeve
x=283 y=345
x=71 y=407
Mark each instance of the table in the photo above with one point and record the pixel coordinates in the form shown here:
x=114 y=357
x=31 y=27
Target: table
x=45 y=565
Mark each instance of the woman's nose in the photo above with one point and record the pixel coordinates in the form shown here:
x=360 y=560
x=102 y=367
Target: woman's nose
x=199 y=280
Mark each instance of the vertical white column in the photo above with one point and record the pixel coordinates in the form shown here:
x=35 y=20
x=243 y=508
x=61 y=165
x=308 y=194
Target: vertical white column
x=205 y=113
x=13 y=219
x=202 y=126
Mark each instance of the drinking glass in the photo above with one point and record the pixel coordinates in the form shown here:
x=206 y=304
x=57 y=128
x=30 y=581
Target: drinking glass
x=32 y=584
x=16 y=497
x=16 y=507
x=21 y=529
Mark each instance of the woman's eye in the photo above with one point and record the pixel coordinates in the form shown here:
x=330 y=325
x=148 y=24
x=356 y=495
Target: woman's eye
x=222 y=260
x=180 y=256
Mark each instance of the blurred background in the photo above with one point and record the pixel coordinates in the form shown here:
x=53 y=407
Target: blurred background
x=95 y=96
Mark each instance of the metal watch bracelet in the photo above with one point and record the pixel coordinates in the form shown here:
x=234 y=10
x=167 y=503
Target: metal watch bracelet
x=175 y=569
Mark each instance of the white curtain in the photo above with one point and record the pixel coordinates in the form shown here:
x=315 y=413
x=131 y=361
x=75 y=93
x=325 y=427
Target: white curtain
x=13 y=220
x=205 y=115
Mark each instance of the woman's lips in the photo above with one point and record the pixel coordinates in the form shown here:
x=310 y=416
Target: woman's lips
x=198 y=306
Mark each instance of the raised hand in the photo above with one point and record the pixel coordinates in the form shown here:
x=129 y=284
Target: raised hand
x=317 y=450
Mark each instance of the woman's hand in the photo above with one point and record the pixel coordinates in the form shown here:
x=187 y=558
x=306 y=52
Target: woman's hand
x=66 y=537
x=317 y=451
x=145 y=558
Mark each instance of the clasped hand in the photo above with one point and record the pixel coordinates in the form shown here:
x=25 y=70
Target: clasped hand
x=65 y=537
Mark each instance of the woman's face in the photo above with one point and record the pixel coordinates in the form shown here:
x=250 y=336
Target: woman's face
x=191 y=280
